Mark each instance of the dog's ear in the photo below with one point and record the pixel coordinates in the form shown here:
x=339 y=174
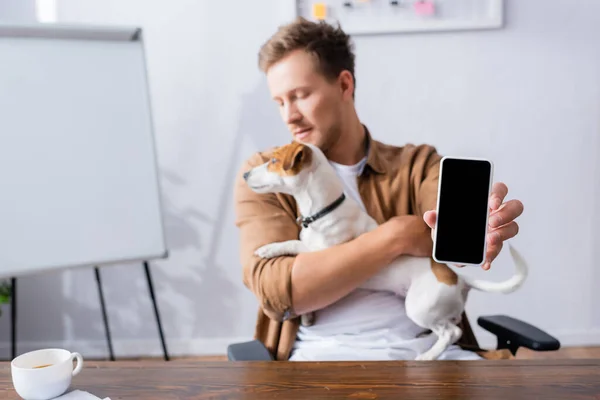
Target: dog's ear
x=295 y=157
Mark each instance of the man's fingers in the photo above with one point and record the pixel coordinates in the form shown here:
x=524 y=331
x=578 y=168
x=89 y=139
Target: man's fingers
x=430 y=217
x=506 y=214
x=492 y=252
x=496 y=240
x=508 y=231
x=499 y=192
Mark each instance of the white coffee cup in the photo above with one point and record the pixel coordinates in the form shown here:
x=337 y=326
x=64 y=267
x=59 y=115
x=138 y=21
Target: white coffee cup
x=44 y=374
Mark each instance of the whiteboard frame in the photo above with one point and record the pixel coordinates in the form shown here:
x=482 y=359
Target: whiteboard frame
x=68 y=31
x=495 y=21
x=102 y=33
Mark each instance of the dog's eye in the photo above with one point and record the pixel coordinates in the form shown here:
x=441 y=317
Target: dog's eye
x=273 y=160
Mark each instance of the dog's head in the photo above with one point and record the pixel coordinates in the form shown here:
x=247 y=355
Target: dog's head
x=287 y=171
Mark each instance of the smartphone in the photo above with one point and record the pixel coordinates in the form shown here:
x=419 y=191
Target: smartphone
x=464 y=190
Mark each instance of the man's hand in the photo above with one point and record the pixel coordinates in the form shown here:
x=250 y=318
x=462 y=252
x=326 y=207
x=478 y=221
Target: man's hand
x=407 y=235
x=501 y=222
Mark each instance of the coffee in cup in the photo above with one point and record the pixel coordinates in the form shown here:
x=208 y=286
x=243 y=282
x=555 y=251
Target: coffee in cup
x=44 y=374
x=42 y=366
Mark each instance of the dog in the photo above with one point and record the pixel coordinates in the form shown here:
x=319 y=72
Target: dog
x=435 y=295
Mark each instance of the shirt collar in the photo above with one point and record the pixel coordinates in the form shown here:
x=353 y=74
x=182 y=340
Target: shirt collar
x=374 y=160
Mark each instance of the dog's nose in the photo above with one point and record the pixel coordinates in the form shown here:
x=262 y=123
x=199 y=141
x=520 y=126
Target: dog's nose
x=246 y=174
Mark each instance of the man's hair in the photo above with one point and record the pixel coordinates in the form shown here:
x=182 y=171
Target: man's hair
x=330 y=45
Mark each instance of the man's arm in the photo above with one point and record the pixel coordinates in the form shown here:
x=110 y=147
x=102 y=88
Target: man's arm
x=290 y=286
x=263 y=219
x=322 y=278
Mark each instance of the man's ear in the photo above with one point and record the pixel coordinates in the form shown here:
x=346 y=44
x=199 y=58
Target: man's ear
x=295 y=157
x=347 y=84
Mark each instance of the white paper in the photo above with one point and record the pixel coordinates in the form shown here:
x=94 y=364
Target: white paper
x=79 y=395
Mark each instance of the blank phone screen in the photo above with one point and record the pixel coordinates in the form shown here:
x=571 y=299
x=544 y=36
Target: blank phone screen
x=463 y=209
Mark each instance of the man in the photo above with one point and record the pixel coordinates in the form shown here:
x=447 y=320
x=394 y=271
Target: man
x=310 y=75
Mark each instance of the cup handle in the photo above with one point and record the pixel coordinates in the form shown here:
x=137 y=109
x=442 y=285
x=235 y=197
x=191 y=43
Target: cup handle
x=79 y=365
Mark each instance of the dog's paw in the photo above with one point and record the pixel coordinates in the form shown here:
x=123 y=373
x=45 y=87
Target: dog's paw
x=425 y=357
x=429 y=355
x=267 y=251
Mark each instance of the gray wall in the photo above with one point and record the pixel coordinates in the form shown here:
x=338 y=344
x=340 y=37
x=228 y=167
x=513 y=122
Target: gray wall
x=17 y=11
x=526 y=96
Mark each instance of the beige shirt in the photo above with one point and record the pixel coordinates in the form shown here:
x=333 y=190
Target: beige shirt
x=396 y=181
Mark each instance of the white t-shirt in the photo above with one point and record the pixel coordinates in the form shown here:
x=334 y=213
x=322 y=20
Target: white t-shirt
x=365 y=325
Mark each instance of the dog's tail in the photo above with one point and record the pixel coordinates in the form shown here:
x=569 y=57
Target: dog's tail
x=507 y=286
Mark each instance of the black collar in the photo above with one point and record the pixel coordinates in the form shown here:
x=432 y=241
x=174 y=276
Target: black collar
x=308 y=220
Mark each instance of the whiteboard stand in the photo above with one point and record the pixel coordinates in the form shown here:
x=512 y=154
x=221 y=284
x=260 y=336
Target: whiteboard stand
x=110 y=202
x=154 y=305
x=111 y=353
x=156 y=313
x=13 y=317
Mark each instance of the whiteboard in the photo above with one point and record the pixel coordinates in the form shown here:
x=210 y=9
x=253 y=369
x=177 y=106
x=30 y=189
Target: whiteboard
x=78 y=168
x=367 y=17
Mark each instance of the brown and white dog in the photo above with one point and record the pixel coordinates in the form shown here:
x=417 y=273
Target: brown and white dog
x=434 y=294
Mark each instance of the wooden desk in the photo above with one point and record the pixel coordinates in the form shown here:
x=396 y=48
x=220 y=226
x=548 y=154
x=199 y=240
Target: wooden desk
x=512 y=380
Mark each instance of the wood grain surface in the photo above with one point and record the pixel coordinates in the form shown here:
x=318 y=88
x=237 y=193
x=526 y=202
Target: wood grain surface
x=514 y=379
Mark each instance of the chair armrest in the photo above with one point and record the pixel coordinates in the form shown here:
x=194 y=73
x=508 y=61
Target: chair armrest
x=513 y=333
x=248 y=351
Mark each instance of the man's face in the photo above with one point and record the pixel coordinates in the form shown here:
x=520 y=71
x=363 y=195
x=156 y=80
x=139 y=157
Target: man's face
x=311 y=106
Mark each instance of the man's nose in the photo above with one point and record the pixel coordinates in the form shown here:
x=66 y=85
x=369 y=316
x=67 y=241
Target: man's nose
x=292 y=114
x=246 y=175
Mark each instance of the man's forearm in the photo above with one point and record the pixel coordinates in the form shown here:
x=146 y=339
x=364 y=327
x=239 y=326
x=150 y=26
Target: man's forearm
x=323 y=277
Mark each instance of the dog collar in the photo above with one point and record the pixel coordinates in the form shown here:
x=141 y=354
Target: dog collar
x=305 y=221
